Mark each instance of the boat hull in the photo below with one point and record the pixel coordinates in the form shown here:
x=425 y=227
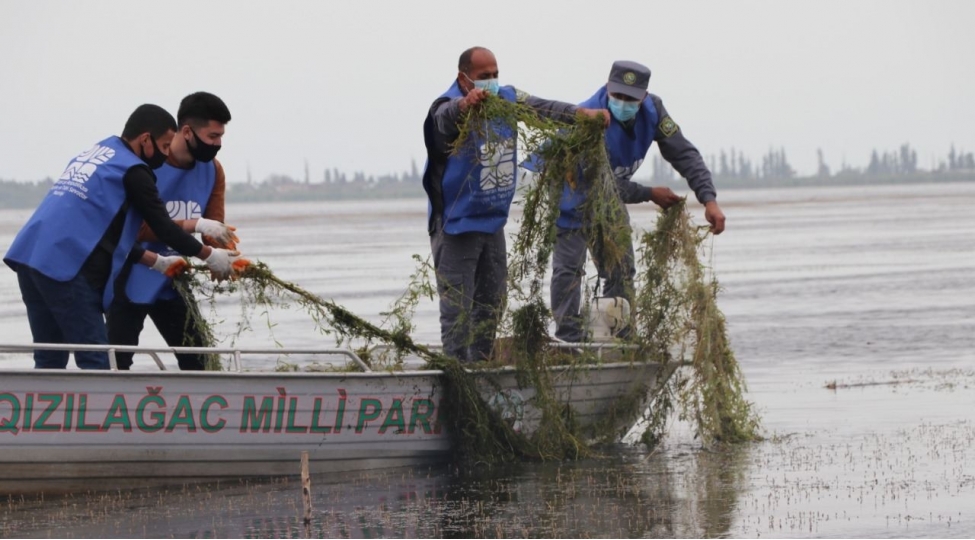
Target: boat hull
x=81 y=428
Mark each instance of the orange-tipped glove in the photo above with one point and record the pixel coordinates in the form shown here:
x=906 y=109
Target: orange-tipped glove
x=218 y=233
x=171 y=266
x=219 y=262
x=238 y=267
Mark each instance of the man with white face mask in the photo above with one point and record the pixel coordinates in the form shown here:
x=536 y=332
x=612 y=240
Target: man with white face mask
x=470 y=192
x=638 y=120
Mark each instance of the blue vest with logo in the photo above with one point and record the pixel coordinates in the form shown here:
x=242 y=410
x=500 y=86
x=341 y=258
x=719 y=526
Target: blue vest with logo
x=186 y=193
x=74 y=215
x=479 y=181
x=626 y=153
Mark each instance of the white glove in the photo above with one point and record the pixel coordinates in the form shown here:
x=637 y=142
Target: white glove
x=222 y=234
x=171 y=265
x=220 y=262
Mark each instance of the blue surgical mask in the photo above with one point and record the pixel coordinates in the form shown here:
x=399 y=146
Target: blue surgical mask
x=488 y=85
x=623 y=110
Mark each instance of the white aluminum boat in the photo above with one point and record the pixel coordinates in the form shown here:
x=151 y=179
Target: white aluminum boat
x=71 y=429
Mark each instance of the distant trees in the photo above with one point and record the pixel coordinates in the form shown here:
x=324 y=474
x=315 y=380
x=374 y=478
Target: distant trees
x=958 y=161
x=729 y=167
x=822 y=169
x=23 y=194
x=774 y=165
x=903 y=161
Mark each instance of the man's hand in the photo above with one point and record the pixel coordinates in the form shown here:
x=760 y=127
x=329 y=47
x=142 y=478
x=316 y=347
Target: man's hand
x=664 y=197
x=171 y=266
x=239 y=266
x=714 y=215
x=595 y=113
x=472 y=98
x=220 y=234
x=220 y=262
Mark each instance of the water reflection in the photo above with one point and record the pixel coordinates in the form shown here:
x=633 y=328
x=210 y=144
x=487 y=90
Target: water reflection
x=628 y=494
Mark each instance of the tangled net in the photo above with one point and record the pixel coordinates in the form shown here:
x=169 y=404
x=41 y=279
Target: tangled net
x=675 y=307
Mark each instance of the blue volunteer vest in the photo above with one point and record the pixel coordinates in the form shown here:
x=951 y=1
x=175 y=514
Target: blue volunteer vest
x=74 y=215
x=479 y=182
x=626 y=153
x=186 y=193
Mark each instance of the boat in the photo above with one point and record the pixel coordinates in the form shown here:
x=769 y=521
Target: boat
x=70 y=430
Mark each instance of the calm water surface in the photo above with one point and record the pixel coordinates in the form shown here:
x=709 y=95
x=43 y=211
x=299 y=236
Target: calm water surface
x=870 y=288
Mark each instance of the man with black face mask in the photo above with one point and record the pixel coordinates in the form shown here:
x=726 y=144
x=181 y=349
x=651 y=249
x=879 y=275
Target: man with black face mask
x=192 y=184
x=72 y=249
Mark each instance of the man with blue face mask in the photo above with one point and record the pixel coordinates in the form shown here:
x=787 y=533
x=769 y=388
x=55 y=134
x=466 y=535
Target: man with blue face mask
x=469 y=193
x=638 y=120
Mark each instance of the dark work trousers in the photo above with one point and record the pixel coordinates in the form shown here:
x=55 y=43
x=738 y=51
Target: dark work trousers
x=64 y=312
x=472 y=272
x=126 y=321
x=568 y=271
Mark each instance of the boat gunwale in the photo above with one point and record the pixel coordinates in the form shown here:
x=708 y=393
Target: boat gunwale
x=498 y=370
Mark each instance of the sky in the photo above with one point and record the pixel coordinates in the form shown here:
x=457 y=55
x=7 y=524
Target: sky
x=348 y=84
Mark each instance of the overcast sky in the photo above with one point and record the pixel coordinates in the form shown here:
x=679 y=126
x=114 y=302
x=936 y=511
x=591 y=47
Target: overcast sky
x=347 y=84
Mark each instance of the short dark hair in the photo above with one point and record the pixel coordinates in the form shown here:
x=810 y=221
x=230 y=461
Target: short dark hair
x=148 y=117
x=201 y=107
x=464 y=64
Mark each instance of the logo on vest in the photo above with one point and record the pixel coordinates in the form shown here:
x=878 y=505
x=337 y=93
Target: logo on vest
x=184 y=209
x=497 y=165
x=625 y=173
x=84 y=166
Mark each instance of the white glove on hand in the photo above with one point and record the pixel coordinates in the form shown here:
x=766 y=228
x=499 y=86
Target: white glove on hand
x=220 y=262
x=222 y=234
x=171 y=265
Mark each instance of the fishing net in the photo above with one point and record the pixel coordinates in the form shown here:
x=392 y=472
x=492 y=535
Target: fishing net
x=675 y=315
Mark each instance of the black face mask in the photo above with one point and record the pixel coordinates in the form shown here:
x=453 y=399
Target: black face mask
x=202 y=151
x=158 y=158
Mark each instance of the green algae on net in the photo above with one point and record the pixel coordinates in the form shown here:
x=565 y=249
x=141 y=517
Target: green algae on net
x=675 y=305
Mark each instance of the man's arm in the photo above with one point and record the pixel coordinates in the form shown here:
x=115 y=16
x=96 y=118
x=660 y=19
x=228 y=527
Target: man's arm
x=142 y=195
x=632 y=192
x=215 y=211
x=686 y=160
x=682 y=155
x=547 y=108
x=445 y=113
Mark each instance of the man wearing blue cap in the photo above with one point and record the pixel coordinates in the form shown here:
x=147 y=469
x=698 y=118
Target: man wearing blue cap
x=638 y=120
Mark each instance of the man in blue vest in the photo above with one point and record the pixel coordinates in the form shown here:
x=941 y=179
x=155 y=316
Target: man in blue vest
x=70 y=251
x=192 y=184
x=638 y=120
x=469 y=194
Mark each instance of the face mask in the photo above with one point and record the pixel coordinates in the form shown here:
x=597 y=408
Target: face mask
x=158 y=158
x=623 y=110
x=202 y=151
x=488 y=85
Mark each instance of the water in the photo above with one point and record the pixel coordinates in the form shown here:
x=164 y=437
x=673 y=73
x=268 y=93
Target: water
x=870 y=288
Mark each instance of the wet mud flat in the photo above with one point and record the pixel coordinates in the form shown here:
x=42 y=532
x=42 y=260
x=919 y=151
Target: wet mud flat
x=889 y=454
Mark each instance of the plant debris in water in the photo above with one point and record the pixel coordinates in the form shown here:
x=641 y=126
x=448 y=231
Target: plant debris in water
x=675 y=307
